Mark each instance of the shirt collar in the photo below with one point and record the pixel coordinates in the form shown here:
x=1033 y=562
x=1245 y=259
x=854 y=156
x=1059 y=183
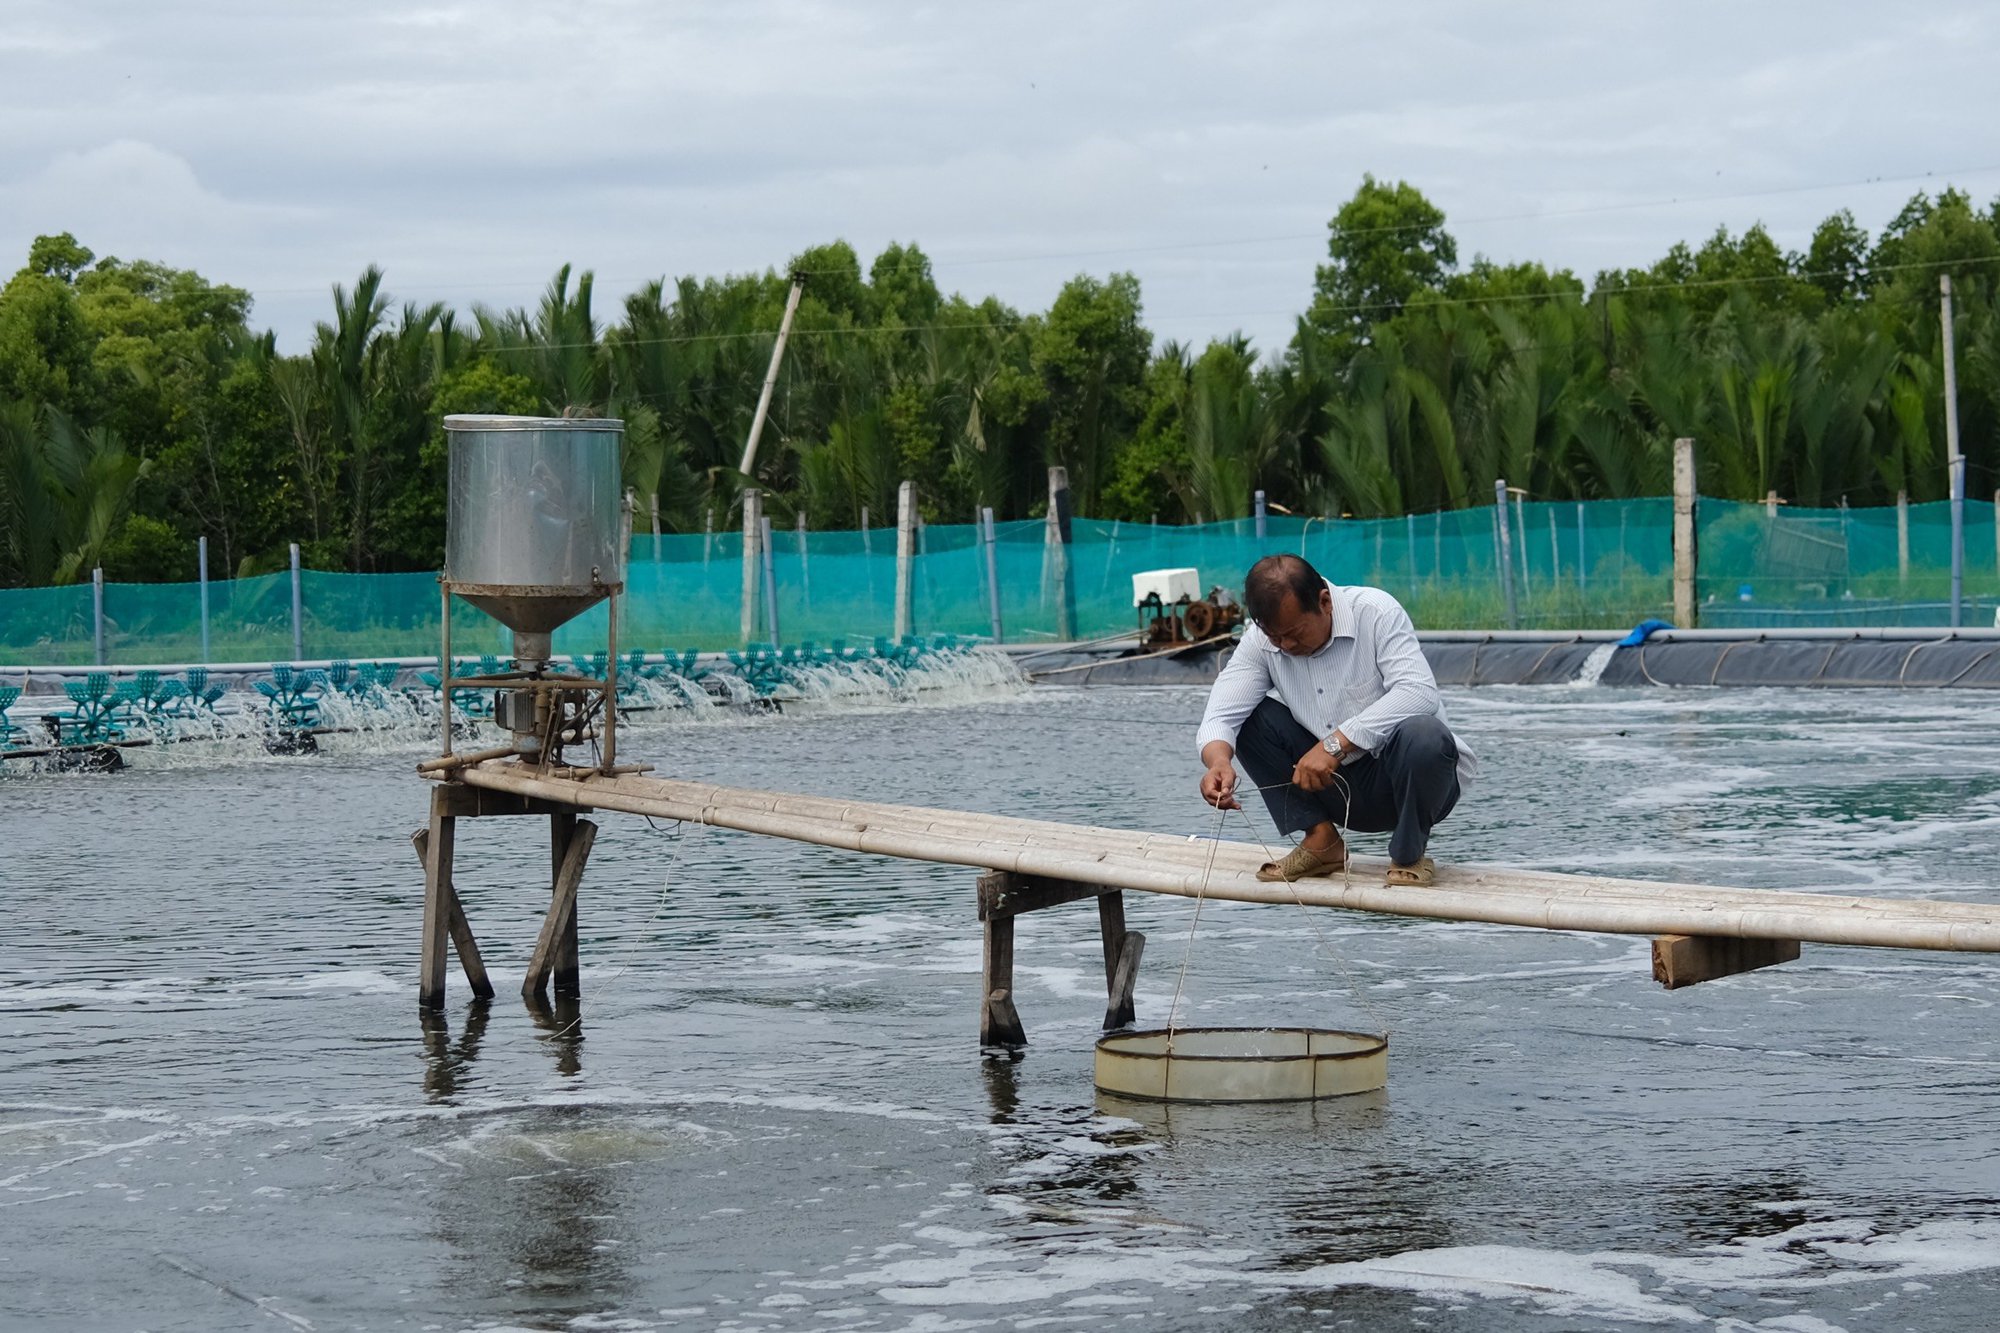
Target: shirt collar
x=1343 y=614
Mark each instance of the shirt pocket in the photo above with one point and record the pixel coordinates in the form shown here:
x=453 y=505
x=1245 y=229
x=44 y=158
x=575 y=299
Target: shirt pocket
x=1358 y=698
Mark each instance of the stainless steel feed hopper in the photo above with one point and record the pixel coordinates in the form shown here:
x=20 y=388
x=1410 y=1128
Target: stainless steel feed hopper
x=535 y=535
x=533 y=522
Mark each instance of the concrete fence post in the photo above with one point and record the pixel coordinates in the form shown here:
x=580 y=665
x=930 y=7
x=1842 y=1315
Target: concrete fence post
x=1685 y=610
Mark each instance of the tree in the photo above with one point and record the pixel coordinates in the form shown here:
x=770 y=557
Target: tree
x=1836 y=261
x=1384 y=245
x=1091 y=353
x=44 y=340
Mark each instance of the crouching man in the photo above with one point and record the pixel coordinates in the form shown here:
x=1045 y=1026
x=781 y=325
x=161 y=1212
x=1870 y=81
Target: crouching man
x=1333 y=710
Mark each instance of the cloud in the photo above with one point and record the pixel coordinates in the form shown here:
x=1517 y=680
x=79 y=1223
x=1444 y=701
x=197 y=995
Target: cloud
x=469 y=150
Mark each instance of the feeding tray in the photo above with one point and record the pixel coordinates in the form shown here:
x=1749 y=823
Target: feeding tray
x=1241 y=1064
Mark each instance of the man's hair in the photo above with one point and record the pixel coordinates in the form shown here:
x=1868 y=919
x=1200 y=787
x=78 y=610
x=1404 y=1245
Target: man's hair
x=1268 y=581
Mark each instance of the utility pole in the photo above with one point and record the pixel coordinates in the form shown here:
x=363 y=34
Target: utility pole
x=771 y=376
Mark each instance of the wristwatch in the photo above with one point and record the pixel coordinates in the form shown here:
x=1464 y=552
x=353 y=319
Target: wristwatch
x=1333 y=747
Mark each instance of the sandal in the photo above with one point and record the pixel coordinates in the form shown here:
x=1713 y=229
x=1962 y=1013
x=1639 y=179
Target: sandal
x=1302 y=862
x=1419 y=876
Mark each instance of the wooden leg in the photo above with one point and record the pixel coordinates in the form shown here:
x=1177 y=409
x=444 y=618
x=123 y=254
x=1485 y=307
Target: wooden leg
x=568 y=967
x=557 y=925
x=439 y=837
x=461 y=929
x=1119 y=1013
x=1111 y=927
x=999 y=1024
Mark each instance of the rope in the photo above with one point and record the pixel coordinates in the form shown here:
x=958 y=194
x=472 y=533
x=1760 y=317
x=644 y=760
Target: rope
x=659 y=907
x=1346 y=880
x=1325 y=948
x=1180 y=981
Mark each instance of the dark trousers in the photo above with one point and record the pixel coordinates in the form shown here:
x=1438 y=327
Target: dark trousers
x=1404 y=790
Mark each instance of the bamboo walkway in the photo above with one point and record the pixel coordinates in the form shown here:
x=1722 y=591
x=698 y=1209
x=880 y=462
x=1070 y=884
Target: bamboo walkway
x=1115 y=859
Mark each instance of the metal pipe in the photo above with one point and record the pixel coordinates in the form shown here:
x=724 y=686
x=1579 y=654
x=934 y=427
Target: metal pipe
x=770 y=580
x=201 y=561
x=298 y=608
x=611 y=677
x=444 y=665
x=1503 y=553
x=1581 y=562
x=1258 y=500
x=97 y=613
x=805 y=568
x=992 y=574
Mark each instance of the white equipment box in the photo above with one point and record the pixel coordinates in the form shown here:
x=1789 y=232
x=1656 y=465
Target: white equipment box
x=1171 y=584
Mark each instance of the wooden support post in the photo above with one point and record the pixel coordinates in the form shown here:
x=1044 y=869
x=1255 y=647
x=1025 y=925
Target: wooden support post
x=1004 y=896
x=999 y=1023
x=555 y=951
x=567 y=965
x=438 y=839
x=1684 y=960
x=461 y=929
x=1684 y=534
x=1122 y=950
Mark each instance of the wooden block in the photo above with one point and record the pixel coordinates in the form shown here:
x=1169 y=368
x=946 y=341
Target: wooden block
x=999 y=1025
x=1119 y=1013
x=466 y=802
x=1684 y=960
x=1002 y=893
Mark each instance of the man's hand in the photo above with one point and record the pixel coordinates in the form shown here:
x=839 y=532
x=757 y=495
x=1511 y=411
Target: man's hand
x=1315 y=770
x=1218 y=786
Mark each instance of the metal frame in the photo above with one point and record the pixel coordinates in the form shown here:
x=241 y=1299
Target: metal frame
x=606 y=688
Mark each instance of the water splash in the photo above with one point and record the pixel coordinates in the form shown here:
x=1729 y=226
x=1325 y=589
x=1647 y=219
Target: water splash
x=239 y=729
x=1593 y=666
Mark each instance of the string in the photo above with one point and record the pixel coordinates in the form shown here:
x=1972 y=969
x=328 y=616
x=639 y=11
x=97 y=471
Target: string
x=1214 y=845
x=1326 y=949
x=659 y=907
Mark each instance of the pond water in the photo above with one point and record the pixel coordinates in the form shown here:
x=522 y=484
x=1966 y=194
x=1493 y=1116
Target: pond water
x=219 y=1107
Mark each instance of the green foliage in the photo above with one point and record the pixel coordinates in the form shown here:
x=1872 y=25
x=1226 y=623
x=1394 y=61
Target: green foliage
x=1091 y=353
x=140 y=411
x=1385 y=245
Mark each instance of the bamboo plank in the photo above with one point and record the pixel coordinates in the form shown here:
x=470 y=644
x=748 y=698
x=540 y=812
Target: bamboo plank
x=1486 y=894
x=1171 y=850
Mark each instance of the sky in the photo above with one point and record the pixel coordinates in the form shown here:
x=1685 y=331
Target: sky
x=470 y=150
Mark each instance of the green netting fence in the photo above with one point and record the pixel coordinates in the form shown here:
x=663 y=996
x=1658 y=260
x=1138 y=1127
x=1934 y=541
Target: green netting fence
x=1593 y=564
